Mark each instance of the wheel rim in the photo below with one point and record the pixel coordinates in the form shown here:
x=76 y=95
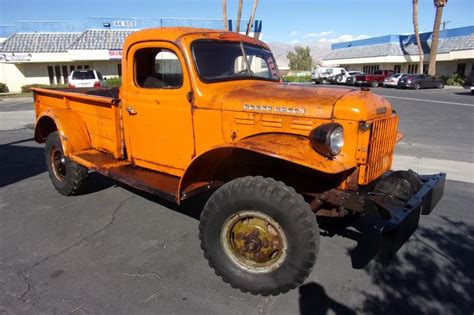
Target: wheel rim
x=58 y=164
x=254 y=241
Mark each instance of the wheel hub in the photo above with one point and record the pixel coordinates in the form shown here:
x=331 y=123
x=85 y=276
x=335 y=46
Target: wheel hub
x=254 y=241
x=58 y=164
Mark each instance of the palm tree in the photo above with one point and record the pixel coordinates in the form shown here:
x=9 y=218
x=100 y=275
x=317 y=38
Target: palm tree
x=439 y=4
x=224 y=15
x=239 y=16
x=417 y=35
x=252 y=16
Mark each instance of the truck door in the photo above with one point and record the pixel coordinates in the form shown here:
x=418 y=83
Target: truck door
x=157 y=113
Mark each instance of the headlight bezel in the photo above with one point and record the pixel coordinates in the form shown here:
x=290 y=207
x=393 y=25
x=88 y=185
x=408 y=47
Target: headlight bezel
x=323 y=139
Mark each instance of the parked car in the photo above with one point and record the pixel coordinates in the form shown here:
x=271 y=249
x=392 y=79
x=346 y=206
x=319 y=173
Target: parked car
x=392 y=81
x=420 y=81
x=374 y=79
x=351 y=80
x=343 y=76
x=469 y=83
x=321 y=74
x=88 y=78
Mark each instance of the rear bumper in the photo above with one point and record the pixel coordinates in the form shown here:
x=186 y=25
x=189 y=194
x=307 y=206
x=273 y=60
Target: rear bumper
x=404 y=218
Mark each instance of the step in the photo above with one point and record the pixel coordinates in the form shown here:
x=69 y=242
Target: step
x=156 y=183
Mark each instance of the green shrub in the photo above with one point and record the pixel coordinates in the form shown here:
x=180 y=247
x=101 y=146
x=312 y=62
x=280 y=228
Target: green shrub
x=114 y=82
x=297 y=78
x=3 y=88
x=27 y=88
x=455 y=79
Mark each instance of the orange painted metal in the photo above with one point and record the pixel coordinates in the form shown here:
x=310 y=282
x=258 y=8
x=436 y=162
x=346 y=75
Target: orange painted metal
x=381 y=145
x=168 y=130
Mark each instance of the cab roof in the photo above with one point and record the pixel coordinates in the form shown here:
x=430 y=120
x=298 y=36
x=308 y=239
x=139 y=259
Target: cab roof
x=176 y=34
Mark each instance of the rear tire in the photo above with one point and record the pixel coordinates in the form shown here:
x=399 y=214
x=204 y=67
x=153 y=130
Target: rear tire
x=374 y=84
x=67 y=176
x=440 y=85
x=259 y=235
x=416 y=86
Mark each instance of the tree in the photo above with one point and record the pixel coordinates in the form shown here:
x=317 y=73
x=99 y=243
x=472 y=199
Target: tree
x=300 y=59
x=417 y=35
x=439 y=4
x=224 y=15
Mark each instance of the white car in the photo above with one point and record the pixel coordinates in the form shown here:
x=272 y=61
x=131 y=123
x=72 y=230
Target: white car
x=321 y=74
x=88 y=78
x=392 y=81
x=342 y=78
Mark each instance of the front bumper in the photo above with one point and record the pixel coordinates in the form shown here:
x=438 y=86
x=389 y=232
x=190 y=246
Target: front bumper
x=404 y=218
x=381 y=236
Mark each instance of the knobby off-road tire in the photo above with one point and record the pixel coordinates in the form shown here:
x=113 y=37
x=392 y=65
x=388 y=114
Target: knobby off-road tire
x=67 y=176
x=276 y=258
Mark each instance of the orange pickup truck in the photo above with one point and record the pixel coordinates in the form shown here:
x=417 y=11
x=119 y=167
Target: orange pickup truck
x=207 y=111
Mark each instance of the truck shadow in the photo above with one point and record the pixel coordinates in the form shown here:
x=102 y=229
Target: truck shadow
x=433 y=274
x=314 y=300
x=20 y=162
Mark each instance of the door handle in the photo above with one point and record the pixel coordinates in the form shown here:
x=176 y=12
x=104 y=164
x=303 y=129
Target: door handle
x=131 y=111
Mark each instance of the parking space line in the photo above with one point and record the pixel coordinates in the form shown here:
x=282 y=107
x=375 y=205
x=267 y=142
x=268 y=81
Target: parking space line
x=428 y=101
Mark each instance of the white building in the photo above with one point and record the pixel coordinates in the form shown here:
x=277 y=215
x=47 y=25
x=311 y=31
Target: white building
x=400 y=53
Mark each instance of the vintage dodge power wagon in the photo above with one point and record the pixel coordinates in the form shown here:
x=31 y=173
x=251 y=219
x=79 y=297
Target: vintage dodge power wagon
x=205 y=111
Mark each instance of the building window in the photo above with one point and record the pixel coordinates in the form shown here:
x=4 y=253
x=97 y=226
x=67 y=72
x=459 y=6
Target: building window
x=57 y=71
x=65 y=74
x=370 y=69
x=86 y=66
x=413 y=68
x=51 y=74
x=79 y=67
x=397 y=68
x=425 y=68
x=461 y=69
x=119 y=70
x=71 y=68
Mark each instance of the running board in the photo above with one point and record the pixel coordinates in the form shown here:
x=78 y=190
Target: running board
x=156 y=183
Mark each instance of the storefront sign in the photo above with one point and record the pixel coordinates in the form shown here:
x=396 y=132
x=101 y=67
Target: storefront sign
x=115 y=54
x=14 y=57
x=124 y=23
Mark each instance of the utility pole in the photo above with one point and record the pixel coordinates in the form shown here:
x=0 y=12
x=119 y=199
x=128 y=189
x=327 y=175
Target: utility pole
x=445 y=23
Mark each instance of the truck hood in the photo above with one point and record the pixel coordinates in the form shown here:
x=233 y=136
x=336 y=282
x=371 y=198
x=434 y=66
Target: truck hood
x=306 y=101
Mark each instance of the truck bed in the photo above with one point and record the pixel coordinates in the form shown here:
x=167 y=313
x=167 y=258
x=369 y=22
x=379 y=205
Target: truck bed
x=98 y=108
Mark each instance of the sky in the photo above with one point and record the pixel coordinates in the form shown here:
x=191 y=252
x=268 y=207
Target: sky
x=292 y=22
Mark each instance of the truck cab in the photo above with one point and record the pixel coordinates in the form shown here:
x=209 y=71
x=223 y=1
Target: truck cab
x=206 y=111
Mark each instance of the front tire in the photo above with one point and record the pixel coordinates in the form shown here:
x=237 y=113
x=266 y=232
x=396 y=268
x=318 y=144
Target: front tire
x=416 y=86
x=67 y=176
x=259 y=235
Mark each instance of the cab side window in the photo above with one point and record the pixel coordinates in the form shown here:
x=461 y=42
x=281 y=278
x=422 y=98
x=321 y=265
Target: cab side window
x=157 y=68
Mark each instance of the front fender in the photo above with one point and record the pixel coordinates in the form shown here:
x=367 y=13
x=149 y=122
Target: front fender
x=287 y=147
x=70 y=125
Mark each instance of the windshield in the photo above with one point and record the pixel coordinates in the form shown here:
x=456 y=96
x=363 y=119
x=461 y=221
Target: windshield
x=222 y=61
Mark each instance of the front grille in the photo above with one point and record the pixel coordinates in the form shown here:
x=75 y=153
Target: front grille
x=381 y=147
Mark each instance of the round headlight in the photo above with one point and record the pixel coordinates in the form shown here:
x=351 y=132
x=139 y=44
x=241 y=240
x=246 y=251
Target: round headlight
x=336 y=140
x=327 y=139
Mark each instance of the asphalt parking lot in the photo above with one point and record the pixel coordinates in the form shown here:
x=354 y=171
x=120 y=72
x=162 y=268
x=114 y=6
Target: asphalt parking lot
x=117 y=250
